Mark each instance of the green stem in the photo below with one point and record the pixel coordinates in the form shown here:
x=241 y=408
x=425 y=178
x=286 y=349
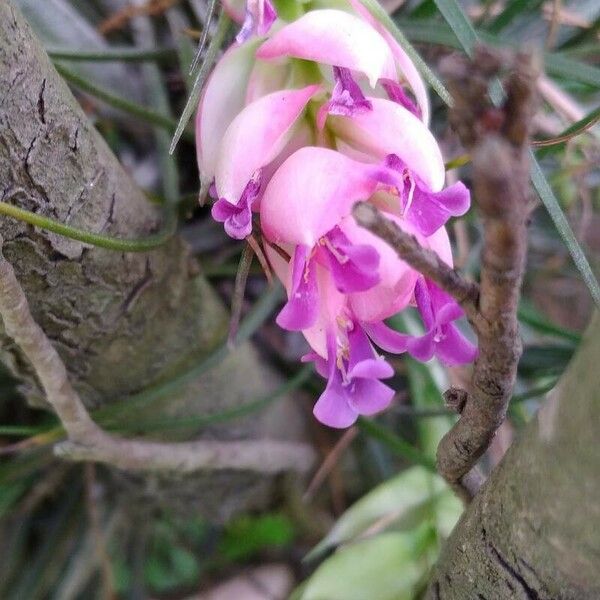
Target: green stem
x=121 y=54
x=94 y=239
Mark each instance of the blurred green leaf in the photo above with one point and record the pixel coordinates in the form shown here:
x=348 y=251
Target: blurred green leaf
x=247 y=535
x=388 y=504
x=511 y=11
x=386 y=567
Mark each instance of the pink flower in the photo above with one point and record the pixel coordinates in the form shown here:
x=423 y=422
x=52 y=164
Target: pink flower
x=298 y=121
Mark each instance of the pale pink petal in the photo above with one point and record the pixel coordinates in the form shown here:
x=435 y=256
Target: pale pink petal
x=397 y=280
x=256 y=136
x=310 y=193
x=392 y=129
x=223 y=98
x=333 y=37
x=405 y=64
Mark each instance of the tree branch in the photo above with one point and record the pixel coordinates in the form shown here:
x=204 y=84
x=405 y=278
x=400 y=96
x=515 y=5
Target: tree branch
x=424 y=260
x=498 y=139
x=87 y=441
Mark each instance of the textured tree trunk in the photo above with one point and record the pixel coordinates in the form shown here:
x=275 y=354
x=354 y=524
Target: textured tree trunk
x=532 y=531
x=120 y=321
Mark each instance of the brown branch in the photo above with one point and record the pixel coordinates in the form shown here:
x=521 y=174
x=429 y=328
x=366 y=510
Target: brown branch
x=424 y=260
x=87 y=441
x=498 y=139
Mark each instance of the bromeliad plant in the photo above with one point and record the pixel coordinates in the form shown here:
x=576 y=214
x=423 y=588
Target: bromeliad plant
x=309 y=111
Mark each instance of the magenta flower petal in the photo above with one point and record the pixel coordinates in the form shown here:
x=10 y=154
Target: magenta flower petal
x=238 y=217
x=397 y=94
x=423 y=348
x=431 y=210
x=259 y=16
x=336 y=38
x=354 y=268
x=332 y=407
x=394 y=290
x=347 y=98
x=375 y=368
x=386 y=338
x=369 y=396
x=302 y=307
x=455 y=349
x=404 y=63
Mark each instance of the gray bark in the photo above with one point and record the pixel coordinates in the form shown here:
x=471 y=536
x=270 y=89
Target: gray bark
x=120 y=321
x=532 y=531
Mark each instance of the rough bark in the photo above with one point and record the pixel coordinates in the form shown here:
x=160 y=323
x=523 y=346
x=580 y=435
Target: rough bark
x=120 y=321
x=532 y=531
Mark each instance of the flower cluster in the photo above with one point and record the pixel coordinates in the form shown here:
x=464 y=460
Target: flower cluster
x=308 y=112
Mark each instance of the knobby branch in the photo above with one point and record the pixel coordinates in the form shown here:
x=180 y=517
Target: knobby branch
x=498 y=138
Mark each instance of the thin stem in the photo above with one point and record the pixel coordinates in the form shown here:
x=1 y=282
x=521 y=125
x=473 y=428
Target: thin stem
x=94 y=239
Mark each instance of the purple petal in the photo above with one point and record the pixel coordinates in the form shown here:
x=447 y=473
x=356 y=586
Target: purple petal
x=387 y=338
x=422 y=348
x=430 y=210
x=397 y=94
x=320 y=363
x=360 y=347
x=222 y=210
x=237 y=219
x=332 y=407
x=369 y=396
x=347 y=99
x=425 y=304
x=354 y=267
x=454 y=348
x=260 y=15
x=373 y=368
x=302 y=308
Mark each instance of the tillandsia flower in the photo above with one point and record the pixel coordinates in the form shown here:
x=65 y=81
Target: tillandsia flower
x=312 y=109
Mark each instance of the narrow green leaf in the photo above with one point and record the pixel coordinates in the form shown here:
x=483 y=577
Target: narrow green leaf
x=459 y=23
x=116 y=54
x=557 y=215
x=141 y=112
x=560 y=65
x=580 y=127
x=381 y=15
x=395 y=443
x=192 y=102
x=209 y=17
x=531 y=317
